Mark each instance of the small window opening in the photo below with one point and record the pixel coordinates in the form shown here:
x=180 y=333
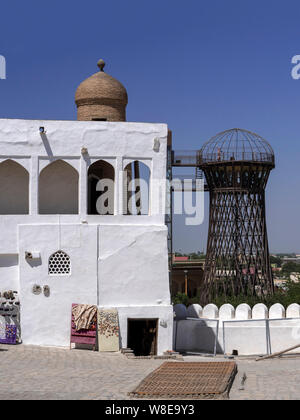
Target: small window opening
x=59 y=264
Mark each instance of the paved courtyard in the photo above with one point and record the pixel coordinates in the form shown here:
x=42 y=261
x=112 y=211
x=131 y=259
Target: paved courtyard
x=29 y=372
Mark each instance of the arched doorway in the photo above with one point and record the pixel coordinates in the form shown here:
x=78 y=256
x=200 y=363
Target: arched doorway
x=58 y=189
x=101 y=191
x=136 y=188
x=14 y=188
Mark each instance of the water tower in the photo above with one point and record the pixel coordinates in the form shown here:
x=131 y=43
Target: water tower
x=237 y=164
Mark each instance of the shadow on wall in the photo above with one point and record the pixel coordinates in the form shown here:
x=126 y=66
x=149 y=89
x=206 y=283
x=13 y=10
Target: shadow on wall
x=242 y=329
x=34 y=262
x=46 y=145
x=195 y=334
x=9 y=260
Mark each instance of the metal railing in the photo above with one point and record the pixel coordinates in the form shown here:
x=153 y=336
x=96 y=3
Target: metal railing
x=194 y=158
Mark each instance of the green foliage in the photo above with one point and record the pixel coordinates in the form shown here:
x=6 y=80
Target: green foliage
x=181 y=298
x=289 y=294
x=275 y=260
x=196 y=256
x=179 y=254
x=293 y=255
x=292 y=293
x=290 y=267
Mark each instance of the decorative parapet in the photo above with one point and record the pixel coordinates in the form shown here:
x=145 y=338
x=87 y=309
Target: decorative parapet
x=241 y=312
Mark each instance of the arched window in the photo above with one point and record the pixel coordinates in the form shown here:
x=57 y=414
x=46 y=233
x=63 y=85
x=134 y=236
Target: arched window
x=101 y=191
x=136 y=189
x=14 y=188
x=59 y=264
x=58 y=189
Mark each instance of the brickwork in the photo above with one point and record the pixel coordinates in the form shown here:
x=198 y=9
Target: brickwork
x=101 y=97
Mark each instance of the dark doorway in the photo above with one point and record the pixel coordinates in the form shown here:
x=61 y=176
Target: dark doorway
x=142 y=336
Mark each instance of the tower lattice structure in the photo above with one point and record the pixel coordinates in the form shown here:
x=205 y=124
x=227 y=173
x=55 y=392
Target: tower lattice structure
x=237 y=164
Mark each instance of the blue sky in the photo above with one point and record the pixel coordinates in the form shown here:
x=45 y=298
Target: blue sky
x=200 y=66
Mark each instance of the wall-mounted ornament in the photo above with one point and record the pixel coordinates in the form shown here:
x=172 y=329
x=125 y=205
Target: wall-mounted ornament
x=46 y=291
x=163 y=323
x=32 y=255
x=36 y=289
x=156 y=145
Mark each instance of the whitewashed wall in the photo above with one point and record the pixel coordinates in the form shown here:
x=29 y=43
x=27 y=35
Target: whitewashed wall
x=246 y=332
x=46 y=320
x=117 y=143
x=117 y=261
x=164 y=315
x=133 y=266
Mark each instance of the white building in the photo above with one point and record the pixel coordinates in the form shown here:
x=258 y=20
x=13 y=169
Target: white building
x=51 y=233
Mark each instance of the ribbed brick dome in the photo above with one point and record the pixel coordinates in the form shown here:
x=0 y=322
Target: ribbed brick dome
x=101 y=98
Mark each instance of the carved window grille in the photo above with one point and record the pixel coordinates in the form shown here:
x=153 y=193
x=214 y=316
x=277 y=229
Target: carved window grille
x=59 y=264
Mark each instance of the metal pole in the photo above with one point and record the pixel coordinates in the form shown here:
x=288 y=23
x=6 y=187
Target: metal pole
x=185 y=282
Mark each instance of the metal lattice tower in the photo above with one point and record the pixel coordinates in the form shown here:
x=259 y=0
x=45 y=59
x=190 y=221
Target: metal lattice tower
x=237 y=164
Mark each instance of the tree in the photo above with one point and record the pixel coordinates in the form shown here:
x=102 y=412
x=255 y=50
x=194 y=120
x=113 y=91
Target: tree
x=275 y=260
x=289 y=268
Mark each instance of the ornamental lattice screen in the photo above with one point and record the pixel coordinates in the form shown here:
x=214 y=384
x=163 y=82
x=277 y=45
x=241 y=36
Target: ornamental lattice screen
x=237 y=164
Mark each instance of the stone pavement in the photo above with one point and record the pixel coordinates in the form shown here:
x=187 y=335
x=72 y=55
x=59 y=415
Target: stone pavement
x=30 y=372
x=276 y=379
x=273 y=379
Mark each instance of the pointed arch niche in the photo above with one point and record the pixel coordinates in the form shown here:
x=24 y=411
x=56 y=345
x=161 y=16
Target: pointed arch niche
x=136 y=189
x=58 y=189
x=101 y=195
x=14 y=188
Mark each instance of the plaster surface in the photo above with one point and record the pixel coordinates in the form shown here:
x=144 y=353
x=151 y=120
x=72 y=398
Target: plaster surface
x=117 y=260
x=239 y=329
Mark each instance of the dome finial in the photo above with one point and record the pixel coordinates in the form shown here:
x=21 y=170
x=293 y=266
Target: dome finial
x=101 y=64
x=101 y=97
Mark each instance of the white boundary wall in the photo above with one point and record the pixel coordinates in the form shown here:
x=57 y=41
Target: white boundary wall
x=250 y=331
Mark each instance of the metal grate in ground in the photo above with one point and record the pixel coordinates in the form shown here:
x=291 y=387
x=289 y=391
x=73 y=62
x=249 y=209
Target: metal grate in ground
x=188 y=380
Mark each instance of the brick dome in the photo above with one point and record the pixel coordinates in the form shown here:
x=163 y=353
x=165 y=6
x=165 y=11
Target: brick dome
x=101 y=98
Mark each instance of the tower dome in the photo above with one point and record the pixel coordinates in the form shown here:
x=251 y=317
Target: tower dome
x=236 y=144
x=101 y=98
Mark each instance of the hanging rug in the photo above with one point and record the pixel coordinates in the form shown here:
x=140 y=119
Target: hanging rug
x=188 y=380
x=108 y=330
x=2 y=328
